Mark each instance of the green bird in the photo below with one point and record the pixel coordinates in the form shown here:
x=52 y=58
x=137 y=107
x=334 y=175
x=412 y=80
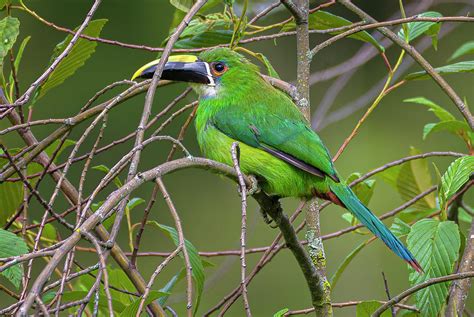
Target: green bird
x=276 y=143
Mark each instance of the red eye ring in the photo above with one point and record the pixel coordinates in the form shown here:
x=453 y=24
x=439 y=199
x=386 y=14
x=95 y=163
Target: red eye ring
x=218 y=68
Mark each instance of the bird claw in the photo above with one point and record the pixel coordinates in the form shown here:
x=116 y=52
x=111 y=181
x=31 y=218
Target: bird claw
x=252 y=189
x=268 y=220
x=253 y=185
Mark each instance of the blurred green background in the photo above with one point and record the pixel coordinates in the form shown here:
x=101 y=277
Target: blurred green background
x=209 y=205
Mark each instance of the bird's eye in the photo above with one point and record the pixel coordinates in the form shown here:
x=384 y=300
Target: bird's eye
x=218 y=68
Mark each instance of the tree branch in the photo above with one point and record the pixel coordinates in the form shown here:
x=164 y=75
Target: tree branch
x=420 y=286
x=419 y=59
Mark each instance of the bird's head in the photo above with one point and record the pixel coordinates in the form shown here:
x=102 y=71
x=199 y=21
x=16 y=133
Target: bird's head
x=209 y=74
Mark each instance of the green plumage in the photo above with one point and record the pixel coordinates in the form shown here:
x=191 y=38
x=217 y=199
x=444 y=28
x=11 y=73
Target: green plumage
x=262 y=117
x=276 y=143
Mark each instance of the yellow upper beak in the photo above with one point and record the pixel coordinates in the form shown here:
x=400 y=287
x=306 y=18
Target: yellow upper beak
x=173 y=58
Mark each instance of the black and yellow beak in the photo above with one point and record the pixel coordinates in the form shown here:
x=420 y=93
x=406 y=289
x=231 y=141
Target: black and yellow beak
x=184 y=68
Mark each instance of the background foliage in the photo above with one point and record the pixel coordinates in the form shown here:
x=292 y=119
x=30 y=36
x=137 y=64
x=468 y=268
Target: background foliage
x=209 y=206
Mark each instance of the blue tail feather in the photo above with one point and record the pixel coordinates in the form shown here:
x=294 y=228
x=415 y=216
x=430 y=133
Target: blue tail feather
x=367 y=218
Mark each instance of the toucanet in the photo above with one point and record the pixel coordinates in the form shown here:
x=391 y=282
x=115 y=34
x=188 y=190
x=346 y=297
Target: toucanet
x=276 y=143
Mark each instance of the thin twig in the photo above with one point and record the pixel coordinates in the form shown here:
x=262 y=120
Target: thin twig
x=235 y=153
x=420 y=286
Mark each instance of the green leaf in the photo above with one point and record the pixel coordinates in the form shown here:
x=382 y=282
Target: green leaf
x=132 y=309
x=80 y=53
x=366 y=309
x=3 y=3
x=435 y=245
x=461 y=67
x=106 y=170
x=49 y=232
x=120 y=280
x=194 y=259
x=183 y=5
x=322 y=20
x=464 y=216
x=281 y=312
x=270 y=70
x=169 y=286
x=411 y=179
x=455 y=127
x=11 y=197
x=16 y=63
x=48 y=296
x=134 y=202
x=210 y=30
x=415 y=29
x=440 y=112
x=400 y=228
x=433 y=32
x=54 y=147
x=71 y=296
x=364 y=190
x=11 y=193
x=12 y=245
x=9 y=30
x=465 y=49
x=411 y=215
x=335 y=277
x=456 y=176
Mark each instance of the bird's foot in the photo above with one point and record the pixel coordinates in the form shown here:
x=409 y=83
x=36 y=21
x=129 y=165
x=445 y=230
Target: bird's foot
x=253 y=185
x=252 y=189
x=269 y=221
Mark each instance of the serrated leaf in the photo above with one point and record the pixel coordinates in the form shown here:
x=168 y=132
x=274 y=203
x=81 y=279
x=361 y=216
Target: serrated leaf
x=457 y=174
x=435 y=245
x=12 y=245
x=364 y=190
x=365 y=309
x=461 y=67
x=194 y=259
x=132 y=309
x=415 y=29
x=210 y=30
x=440 y=112
x=411 y=179
x=400 y=228
x=341 y=268
x=9 y=30
x=465 y=49
x=80 y=53
x=453 y=126
x=281 y=312
x=322 y=20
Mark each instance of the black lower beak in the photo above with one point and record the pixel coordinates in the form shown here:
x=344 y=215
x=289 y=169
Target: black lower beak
x=195 y=72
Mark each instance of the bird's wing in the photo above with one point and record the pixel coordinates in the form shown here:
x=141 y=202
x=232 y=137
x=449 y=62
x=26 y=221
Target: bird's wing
x=289 y=139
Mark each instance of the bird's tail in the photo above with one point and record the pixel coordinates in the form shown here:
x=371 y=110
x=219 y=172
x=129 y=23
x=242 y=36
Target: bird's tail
x=345 y=196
